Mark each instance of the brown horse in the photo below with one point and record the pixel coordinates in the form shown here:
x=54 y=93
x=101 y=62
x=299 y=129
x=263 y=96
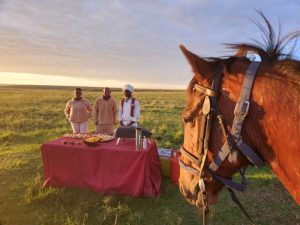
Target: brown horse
x=271 y=127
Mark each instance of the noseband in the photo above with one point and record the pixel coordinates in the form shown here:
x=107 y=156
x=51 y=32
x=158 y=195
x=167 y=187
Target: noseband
x=233 y=140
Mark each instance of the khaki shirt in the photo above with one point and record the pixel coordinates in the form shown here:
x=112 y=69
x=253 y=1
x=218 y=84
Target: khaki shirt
x=78 y=111
x=105 y=111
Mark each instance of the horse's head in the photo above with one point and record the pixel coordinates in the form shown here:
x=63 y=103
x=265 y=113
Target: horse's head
x=218 y=141
x=195 y=117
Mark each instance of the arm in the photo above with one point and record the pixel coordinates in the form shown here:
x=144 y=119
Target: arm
x=120 y=114
x=67 y=110
x=96 y=110
x=89 y=108
x=114 y=112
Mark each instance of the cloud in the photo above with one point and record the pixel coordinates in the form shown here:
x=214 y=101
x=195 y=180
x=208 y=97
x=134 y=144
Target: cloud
x=126 y=40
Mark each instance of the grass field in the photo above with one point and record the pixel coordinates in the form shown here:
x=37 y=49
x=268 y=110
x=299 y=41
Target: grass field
x=29 y=117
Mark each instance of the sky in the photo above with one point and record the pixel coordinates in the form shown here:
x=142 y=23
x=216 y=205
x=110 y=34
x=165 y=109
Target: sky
x=101 y=43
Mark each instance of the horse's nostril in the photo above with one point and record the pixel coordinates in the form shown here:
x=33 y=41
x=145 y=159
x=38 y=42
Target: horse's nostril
x=191 y=197
x=196 y=189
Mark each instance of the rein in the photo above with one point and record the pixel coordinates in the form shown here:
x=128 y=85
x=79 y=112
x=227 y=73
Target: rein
x=233 y=140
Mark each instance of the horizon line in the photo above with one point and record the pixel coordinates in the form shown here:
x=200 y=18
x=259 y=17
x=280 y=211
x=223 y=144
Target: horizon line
x=89 y=87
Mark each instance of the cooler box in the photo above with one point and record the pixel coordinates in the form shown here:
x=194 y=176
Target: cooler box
x=165 y=155
x=174 y=168
x=165 y=166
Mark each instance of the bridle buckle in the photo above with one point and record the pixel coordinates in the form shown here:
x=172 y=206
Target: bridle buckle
x=202 y=185
x=242 y=108
x=204 y=90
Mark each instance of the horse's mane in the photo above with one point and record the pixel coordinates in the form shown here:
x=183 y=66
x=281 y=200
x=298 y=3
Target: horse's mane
x=274 y=47
x=275 y=50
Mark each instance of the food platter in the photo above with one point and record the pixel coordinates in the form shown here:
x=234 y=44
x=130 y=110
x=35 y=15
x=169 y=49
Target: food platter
x=90 y=139
x=93 y=140
x=104 y=137
x=78 y=136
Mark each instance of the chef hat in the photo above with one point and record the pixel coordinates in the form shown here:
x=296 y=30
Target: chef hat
x=128 y=87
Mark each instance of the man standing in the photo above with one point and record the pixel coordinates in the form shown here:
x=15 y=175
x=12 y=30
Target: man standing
x=129 y=108
x=105 y=113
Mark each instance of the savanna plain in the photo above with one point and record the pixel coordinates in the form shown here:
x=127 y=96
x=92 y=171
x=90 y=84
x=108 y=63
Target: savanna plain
x=30 y=116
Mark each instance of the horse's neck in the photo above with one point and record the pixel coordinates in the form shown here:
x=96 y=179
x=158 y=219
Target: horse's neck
x=272 y=128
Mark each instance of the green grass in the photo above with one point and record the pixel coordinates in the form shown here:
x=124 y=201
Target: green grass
x=29 y=117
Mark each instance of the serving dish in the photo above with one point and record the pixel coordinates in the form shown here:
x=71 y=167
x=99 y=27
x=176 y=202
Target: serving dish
x=91 y=140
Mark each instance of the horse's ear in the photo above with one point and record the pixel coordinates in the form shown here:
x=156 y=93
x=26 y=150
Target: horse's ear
x=199 y=65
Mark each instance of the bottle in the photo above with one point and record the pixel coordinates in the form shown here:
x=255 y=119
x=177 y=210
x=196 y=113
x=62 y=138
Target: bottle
x=138 y=138
x=174 y=153
x=145 y=142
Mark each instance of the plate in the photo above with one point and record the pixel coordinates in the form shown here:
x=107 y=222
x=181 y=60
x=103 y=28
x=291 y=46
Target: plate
x=105 y=137
x=78 y=136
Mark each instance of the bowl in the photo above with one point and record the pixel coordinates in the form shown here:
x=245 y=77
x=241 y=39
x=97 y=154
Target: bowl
x=91 y=140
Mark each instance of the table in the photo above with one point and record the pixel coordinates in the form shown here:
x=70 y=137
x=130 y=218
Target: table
x=105 y=168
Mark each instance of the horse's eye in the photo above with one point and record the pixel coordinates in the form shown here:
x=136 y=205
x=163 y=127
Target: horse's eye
x=188 y=119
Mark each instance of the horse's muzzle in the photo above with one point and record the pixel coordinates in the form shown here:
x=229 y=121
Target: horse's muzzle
x=190 y=196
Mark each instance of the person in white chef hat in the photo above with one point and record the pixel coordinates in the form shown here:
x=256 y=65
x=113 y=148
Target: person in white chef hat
x=129 y=108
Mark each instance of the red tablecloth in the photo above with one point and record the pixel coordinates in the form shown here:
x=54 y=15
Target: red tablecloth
x=103 y=168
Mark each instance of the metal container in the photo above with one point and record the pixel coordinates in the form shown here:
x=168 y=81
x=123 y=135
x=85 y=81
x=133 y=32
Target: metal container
x=138 y=138
x=145 y=141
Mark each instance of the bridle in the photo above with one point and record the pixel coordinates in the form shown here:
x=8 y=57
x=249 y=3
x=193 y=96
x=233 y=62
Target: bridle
x=233 y=140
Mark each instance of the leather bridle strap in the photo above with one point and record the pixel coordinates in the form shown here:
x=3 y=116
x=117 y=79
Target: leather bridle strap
x=208 y=109
x=229 y=183
x=209 y=106
x=234 y=139
x=188 y=168
x=241 y=111
x=205 y=208
x=237 y=201
x=205 y=90
x=191 y=157
x=242 y=106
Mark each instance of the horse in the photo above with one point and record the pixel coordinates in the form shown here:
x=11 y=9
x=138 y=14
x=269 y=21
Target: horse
x=267 y=122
